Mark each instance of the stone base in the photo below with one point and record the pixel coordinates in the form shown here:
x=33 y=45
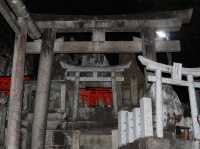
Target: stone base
x=156 y=143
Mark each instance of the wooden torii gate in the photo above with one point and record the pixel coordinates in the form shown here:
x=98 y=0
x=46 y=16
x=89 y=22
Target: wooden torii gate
x=113 y=75
x=176 y=73
x=21 y=22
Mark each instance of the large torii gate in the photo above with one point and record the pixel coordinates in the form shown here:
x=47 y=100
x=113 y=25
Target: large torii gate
x=15 y=13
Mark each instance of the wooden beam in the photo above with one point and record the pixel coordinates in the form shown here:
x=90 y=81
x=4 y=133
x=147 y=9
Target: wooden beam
x=153 y=66
x=103 y=47
x=118 y=68
x=16 y=91
x=174 y=82
x=42 y=92
x=170 y=20
x=169 y=24
x=95 y=79
x=20 y=11
x=9 y=17
x=184 y=15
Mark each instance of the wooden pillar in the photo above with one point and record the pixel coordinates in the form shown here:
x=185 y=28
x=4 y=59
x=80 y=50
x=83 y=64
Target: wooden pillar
x=114 y=94
x=149 y=36
x=134 y=90
x=24 y=138
x=76 y=97
x=159 y=104
x=42 y=92
x=3 y=110
x=76 y=139
x=16 y=91
x=63 y=97
x=193 y=107
x=115 y=139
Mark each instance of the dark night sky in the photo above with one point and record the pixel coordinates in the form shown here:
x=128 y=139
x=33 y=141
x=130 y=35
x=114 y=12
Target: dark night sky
x=104 y=6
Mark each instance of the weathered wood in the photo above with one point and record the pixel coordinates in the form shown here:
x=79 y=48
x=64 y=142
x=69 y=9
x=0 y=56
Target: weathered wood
x=24 y=138
x=76 y=139
x=184 y=15
x=137 y=123
x=171 y=21
x=16 y=91
x=73 y=68
x=146 y=116
x=96 y=79
x=114 y=94
x=98 y=36
x=157 y=143
x=177 y=71
x=20 y=11
x=149 y=43
x=152 y=65
x=9 y=17
x=193 y=107
x=174 y=82
x=76 y=97
x=122 y=127
x=130 y=130
x=103 y=46
x=168 y=24
x=3 y=114
x=115 y=139
x=159 y=105
x=42 y=92
x=134 y=90
x=63 y=97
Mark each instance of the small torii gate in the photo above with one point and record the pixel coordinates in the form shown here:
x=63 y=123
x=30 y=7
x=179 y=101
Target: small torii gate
x=113 y=75
x=176 y=73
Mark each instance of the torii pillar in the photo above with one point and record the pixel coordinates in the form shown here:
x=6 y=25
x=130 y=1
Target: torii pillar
x=16 y=91
x=149 y=36
x=42 y=92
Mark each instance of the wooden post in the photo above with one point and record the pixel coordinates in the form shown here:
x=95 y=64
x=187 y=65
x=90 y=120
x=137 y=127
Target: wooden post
x=134 y=90
x=193 y=107
x=3 y=110
x=114 y=94
x=148 y=39
x=159 y=104
x=24 y=143
x=76 y=139
x=42 y=92
x=148 y=36
x=115 y=139
x=76 y=97
x=16 y=91
x=63 y=97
